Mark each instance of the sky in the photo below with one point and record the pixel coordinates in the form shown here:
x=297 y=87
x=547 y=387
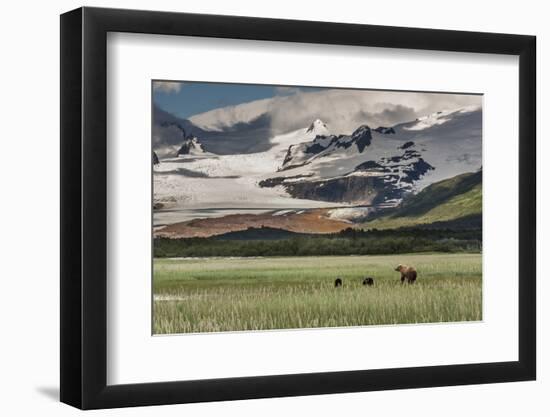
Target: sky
x=186 y=99
x=221 y=107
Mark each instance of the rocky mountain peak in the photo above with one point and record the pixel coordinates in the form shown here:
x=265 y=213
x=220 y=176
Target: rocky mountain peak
x=191 y=145
x=362 y=137
x=385 y=130
x=318 y=127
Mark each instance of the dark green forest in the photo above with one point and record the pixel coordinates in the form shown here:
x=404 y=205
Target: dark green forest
x=347 y=242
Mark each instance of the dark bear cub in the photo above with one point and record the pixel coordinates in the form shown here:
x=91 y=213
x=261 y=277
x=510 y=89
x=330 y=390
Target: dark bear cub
x=338 y=282
x=368 y=281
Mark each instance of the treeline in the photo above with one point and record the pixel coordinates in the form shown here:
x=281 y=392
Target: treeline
x=348 y=242
x=413 y=232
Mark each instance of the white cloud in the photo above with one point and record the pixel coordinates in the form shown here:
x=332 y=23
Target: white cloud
x=167 y=87
x=342 y=110
x=286 y=91
x=224 y=117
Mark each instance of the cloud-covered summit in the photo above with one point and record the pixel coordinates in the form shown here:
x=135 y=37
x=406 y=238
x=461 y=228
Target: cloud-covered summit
x=343 y=110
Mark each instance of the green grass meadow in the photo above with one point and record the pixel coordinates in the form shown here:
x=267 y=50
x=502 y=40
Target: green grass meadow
x=243 y=294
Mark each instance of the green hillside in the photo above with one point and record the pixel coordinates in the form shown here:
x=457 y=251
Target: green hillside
x=448 y=201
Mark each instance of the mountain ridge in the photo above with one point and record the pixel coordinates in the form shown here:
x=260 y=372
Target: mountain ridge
x=378 y=167
x=457 y=199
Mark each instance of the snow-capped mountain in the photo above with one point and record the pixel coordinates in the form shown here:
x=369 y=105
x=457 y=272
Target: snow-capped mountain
x=385 y=180
x=434 y=119
x=251 y=137
x=169 y=133
x=209 y=180
x=191 y=146
x=381 y=166
x=318 y=127
x=325 y=145
x=313 y=167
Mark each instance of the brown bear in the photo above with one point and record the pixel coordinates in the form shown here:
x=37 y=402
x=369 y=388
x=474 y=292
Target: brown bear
x=407 y=273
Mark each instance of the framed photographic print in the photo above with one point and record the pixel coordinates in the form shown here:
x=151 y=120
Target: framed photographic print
x=257 y=208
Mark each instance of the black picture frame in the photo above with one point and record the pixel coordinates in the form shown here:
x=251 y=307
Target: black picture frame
x=84 y=207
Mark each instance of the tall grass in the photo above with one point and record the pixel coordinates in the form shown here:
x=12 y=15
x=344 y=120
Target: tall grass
x=212 y=295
